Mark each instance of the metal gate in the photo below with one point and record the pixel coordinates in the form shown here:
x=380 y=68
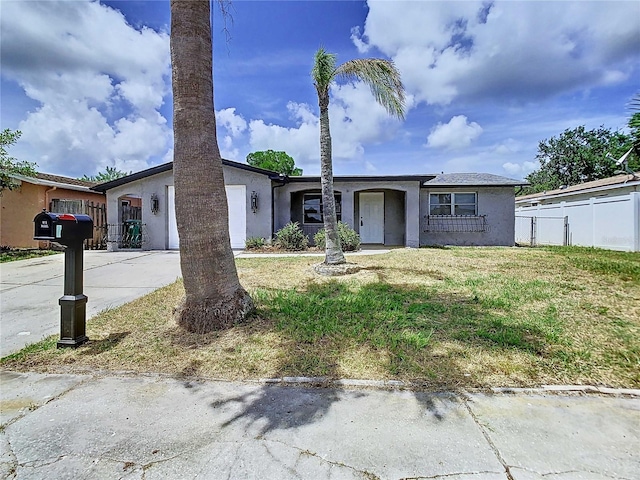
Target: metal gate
x=534 y=231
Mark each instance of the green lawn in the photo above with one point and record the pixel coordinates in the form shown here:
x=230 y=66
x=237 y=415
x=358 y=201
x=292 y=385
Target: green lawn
x=12 y=254
x=442 y=318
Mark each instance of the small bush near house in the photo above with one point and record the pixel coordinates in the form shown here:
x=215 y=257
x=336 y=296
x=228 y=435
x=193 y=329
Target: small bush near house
x=254 y=243
x=291 y=237
x=349 y=238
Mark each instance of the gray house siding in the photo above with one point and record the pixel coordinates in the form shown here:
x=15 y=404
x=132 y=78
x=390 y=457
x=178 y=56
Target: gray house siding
x=389 y=210
x=156 y=225
x=496 y=203
x=401 y=206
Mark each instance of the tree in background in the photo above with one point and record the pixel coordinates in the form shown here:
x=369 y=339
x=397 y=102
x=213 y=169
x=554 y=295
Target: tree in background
x=634 y=125
x=9 y=166
x=384 y=80
x=276 y=161
x=214 y=298
x=110 y=173
x=577 y=156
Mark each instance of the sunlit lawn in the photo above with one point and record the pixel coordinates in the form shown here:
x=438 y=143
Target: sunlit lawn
x=442 y=318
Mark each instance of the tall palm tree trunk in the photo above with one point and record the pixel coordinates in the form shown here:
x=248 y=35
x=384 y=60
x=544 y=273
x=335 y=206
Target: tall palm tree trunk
x=333 y=249
x=214 y=298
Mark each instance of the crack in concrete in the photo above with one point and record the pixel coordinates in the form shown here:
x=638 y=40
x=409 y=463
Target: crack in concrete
x=34 y=407
x=448 y=475
x=562 y=472
x=368 y=475
x=43 y=463
x=486 y=436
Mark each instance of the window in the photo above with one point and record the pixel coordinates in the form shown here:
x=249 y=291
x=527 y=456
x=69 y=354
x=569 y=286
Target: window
x=453 y=204
x=312 y=208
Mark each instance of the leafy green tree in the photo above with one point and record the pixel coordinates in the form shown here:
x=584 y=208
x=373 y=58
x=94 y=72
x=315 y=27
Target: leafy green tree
x=383 y=79
x=277 y=161
x=577 y=155
x=110 y=173
x=10 y=166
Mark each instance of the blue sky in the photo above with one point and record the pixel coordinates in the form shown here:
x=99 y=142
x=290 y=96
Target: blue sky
x=88 y=83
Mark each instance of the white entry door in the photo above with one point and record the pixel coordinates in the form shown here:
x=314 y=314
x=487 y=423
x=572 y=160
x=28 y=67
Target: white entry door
x=237 y=203
x=372 y=217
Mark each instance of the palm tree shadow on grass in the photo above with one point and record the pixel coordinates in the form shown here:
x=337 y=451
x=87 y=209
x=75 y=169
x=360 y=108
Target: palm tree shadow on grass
x=325 y=321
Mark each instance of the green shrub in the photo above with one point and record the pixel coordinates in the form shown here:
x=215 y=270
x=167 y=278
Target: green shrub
x=291 y=237
x=253 y=243
x=349 y=238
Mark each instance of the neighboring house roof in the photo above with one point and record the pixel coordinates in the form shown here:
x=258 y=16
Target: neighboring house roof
x=103 y=187
x=595 y=185
x=57 y=181
x=472 y=180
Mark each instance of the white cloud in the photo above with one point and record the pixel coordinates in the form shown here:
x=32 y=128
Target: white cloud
x=516 y=50
x=234 y=124
x=456 y=134
x=520 y=169
x=357 y=40
x=356 y=120
x=99 y=83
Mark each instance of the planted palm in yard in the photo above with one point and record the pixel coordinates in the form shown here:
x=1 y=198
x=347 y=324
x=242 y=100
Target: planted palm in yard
x=445 y=318
x=384 y=80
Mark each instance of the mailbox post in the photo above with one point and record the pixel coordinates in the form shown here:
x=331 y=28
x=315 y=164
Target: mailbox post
x=70 y=231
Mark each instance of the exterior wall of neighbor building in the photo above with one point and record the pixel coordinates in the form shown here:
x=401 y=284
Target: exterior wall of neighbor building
x=156 y=233
x=19 y=207
x=402 y=206
x=608 y=218
x=497 y=203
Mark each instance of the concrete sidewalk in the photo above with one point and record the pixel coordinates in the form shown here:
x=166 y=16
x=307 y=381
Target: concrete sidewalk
x=151 y=427
x=30 y=289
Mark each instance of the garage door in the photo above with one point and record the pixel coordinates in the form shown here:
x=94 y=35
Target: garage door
x=237 y=202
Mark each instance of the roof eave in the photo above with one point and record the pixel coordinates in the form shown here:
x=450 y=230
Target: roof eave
x=544 y=196
x=51 y=183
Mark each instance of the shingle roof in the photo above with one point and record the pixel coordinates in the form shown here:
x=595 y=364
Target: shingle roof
x=603 y=182
x=66 y=180
x=472 y=180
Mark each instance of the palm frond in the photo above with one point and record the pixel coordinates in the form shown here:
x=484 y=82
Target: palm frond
x=324 y=68
x=382 y=77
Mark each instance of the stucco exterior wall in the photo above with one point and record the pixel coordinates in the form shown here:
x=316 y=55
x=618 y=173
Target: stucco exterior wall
x=19 y=207
x=400 y=196
x=156 y=235
x=497 y=203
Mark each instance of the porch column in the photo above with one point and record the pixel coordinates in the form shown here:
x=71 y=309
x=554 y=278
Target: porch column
x=347 y=207
x=413 y=217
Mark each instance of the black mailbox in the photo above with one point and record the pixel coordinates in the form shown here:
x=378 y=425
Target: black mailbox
x=64 y=228
x=70 y=231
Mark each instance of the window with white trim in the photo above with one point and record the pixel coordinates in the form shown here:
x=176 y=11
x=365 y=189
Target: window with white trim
x=312 y=210
x=453 y=204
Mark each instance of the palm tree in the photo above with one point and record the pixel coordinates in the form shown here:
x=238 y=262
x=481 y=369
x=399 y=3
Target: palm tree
x=214 y=298
x=384 y=80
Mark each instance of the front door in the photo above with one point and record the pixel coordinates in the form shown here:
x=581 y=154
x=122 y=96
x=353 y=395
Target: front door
x=372 y=217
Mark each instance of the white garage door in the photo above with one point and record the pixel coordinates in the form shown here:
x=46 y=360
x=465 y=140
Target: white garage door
x=237 y=201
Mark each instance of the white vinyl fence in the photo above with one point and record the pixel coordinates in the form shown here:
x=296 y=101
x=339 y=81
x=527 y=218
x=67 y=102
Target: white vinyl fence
x=611 y=222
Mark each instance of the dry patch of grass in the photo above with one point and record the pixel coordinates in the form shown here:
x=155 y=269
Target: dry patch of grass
x=444 y=318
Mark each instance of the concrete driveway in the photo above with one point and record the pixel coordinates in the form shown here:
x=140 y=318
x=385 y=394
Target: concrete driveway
x=30 y=289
